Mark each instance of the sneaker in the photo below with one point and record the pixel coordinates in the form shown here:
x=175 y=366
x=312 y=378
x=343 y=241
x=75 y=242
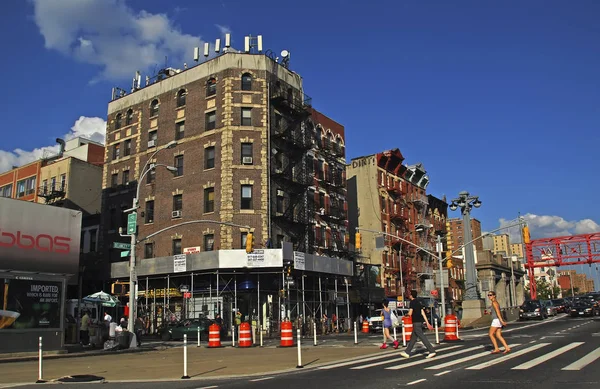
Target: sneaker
x=396 y=344
x=404 y=354
x=430 y=355
x=384 y=346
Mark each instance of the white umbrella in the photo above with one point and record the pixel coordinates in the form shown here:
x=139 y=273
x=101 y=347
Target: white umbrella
x=102 y=298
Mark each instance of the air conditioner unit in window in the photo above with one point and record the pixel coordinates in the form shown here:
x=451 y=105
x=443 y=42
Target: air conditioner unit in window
x=175 y=214
x=247 y=160
x=152 y=143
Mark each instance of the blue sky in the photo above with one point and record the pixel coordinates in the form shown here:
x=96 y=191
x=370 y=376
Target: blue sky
x=500 y=98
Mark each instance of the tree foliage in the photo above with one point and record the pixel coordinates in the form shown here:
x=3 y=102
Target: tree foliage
x=545 y=291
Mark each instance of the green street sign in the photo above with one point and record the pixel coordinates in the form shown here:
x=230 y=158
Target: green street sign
x=121 y=246
x=131 y=223
x=124 y=254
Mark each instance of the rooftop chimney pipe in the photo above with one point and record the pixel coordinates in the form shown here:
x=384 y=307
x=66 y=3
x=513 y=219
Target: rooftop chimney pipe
x=62 y=147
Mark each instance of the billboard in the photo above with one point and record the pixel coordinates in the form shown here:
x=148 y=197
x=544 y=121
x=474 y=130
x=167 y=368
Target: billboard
x=28 y=303
x=39 y=238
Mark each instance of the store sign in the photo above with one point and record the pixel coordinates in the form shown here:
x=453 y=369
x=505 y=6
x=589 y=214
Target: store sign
x=179 y=263
x=30 y=304
x=299 y=261
x=256 y=258
x=38 y=238
x=192 y=250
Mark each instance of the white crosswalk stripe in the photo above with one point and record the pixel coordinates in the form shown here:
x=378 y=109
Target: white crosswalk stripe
x=512 y=355
x=388 y=361
x=583 y=362
x=465 y=359
x=546 y=357
x=442 y=356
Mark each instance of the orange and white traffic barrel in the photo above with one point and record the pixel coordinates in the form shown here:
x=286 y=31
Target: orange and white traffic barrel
x=407 y=328
x=287 y=337
x=245 y=336
x=365 y=327
x=214 y=336
x=450 y=328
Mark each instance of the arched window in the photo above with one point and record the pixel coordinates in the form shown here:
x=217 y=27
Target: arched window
x=118 y=122
x=211 y=87
x=154 y=108
x=129 y=117
x=246 y=81
x=181 y=98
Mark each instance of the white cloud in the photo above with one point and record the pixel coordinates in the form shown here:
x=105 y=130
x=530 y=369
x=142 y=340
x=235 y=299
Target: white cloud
x=111 y=35
x=223 y=29
x=93 y=128
x=546 y=226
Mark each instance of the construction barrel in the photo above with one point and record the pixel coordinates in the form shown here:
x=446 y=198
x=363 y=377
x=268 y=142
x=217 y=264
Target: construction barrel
x=214 y=336
x=287 y=337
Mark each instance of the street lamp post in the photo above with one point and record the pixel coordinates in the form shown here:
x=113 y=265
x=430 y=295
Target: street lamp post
x=440 y=248
x=472 y=304
x=132 y=221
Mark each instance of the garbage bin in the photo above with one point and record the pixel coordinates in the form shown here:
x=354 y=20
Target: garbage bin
x=124 y=339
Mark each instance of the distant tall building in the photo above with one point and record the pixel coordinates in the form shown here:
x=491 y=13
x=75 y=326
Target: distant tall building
x=501 y=244
x=517 y=249
x=580 y=282
x=455 y=235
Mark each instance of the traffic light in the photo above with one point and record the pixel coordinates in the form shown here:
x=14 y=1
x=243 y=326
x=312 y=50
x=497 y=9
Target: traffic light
x=289 y=271
x=357 y=241
x=449 y=263
x=249 y=243
x=526 y=235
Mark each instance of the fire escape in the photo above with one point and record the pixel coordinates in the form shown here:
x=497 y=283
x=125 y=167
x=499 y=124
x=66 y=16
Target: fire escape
x=291 y=167
x=335 y=212
x=53 y=194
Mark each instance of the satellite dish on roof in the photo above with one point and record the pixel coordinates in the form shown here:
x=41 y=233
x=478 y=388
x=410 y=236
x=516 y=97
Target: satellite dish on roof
x=285 y=53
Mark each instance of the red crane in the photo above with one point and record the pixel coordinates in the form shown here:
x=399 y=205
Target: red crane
x=560 y=251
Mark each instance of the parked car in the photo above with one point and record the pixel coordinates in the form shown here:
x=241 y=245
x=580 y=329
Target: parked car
x=582 y=307
x=532 y=309
x=561 y=305
x=189 y=327
x=551 y=309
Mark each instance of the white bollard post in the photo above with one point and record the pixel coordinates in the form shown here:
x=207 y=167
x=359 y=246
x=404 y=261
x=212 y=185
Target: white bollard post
x=355 y=333
x=261 y=336
x=198 y=336
x=437 y=333
x=403 y=335
x=299 y=335
x=457 y=329
x=395 y=334
x=253 y=329
x=185 y=374
x=315 y=333
x=232 y=336
x=40 y=366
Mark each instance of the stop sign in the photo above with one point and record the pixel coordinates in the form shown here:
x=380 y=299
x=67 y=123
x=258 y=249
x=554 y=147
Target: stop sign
x=434 y=292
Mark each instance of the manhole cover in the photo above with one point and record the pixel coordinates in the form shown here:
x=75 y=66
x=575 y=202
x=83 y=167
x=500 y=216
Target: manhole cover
x=81 y=378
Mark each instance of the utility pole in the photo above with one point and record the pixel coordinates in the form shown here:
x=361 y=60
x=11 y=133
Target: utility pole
x=440 y=248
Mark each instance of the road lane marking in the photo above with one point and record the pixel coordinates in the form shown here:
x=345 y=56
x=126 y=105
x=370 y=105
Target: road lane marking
x=262 y=379
x=507 y=357
x=422 y=361
x=354 y=362
x=397 y=359
x=208 y=387
x=465 y=359
x=417 y=381
x=442 y=373
x=546 y=357
x=583 y=362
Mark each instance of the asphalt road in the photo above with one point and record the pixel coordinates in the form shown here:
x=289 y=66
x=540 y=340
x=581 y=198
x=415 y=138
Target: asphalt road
x=550 y=354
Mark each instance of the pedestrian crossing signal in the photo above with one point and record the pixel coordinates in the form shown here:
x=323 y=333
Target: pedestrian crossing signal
x=250 y=243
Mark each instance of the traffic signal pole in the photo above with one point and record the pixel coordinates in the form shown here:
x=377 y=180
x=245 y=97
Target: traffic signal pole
x=440 y=248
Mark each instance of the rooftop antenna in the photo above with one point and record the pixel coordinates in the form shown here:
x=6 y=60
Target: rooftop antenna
x=253 y=42
x=196 y=54
x=228 y=40
x=206 y=49
x=285 y=58
x=217 y=45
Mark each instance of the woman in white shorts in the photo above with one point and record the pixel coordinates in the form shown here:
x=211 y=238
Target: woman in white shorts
x=497 y=324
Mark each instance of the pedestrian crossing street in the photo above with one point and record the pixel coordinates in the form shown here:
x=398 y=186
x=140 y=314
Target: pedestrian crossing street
x=578 y=356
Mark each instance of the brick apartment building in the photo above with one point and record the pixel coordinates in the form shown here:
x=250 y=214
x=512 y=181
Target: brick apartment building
x=250 y=150
x=455 y=235
x=388 y=196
